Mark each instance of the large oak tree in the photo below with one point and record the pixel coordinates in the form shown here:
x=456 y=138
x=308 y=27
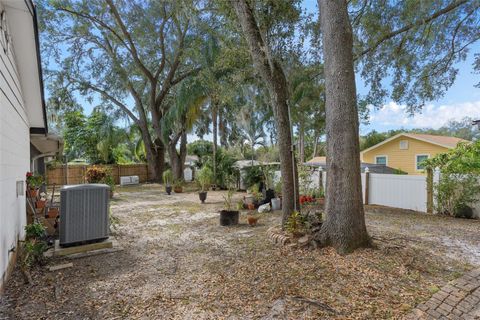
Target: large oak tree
x=128 y=54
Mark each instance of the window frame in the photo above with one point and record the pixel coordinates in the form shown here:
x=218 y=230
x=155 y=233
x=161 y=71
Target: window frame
x=382 y=156
x=416 y=161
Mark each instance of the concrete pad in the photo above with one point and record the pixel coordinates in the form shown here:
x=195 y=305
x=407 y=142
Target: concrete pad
x=60 y=251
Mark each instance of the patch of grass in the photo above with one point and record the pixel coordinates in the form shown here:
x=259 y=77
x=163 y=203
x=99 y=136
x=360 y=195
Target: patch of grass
x=175 y=228
x=433 y=289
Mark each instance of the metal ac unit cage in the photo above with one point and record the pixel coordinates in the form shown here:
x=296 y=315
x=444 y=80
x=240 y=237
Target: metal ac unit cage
x=127 y=180
x=84 y=213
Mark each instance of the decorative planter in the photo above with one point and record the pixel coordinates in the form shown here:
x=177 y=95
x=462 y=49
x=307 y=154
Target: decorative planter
x=203 y=196
x=251 y=206
x=178 y=189
x=252 y=221
x=321 y=201
x=276 y=204
x=32 y=193
x=52 y=212
x=168 y=189
x=229 y=217
x=39 y=204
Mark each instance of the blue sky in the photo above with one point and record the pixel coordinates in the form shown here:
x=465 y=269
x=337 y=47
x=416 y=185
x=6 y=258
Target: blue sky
x=460 y=101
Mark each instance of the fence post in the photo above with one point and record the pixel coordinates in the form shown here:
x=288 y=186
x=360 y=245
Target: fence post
x=367 y=183
x=429 y=190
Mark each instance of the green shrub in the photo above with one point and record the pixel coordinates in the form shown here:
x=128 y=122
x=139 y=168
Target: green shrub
x=167 y=177
x=34 y=231
x=296 y=223
x=34 y=180
x=97 y=174
x=204 y=178
x=253 y=176
x=455 y=192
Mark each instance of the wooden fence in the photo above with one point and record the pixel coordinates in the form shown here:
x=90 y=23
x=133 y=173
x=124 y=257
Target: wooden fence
x=75 y=174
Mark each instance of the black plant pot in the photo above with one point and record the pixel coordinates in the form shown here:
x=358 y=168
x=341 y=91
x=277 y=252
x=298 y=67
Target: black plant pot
x=229 y=217
x=168 y=189
x=203 y=196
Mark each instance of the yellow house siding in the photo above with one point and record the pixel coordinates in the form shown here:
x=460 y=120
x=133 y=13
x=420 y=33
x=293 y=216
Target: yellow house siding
x=403 y=159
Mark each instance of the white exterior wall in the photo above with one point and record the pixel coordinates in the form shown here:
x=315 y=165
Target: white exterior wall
x=14 y=155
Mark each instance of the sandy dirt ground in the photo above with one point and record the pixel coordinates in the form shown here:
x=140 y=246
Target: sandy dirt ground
x=178 y=263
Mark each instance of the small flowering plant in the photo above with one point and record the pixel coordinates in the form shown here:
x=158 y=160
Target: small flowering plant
x=34 y=180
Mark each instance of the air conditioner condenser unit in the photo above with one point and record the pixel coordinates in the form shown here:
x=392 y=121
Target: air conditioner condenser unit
x=84 y=213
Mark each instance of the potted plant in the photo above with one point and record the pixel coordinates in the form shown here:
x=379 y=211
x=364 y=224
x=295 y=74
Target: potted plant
x=167 y=179
x=178 y=186
x=204 y=179
x=40 y=203
x=254 y=197
x=229 y=216
x=34 y=181
x=320 y=197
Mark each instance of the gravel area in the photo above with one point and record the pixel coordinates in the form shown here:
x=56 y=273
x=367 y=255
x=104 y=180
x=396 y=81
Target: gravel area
x=178 y=263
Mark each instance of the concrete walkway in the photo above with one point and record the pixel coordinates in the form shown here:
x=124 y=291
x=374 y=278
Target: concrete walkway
x=460 y=299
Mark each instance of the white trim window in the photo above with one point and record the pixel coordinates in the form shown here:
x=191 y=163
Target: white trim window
x=381 y=159
x=419 y=158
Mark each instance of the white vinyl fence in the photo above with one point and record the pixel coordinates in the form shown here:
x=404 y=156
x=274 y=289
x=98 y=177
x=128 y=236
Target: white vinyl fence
x=398 y=191
x=391 y=190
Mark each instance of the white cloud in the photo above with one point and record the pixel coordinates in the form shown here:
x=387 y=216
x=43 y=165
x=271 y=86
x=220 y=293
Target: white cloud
x=394 y=116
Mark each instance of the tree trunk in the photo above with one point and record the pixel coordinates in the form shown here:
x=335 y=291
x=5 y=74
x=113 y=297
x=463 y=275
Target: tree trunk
x=344 y=227
x=214 y=134
x=273 y=76
x=315 y=145
x=177 y=159
x=301 y=143
x=155 y=155
x=222 y=128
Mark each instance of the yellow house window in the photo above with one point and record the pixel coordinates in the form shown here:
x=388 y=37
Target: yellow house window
x=404 y=145
x=419 y=158
x=381 y=160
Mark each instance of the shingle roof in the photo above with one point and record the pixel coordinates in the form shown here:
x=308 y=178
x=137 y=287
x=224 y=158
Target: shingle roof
x=450 y=142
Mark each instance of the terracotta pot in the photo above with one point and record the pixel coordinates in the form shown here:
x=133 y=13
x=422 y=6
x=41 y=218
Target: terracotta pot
x=321 y=200
x=251 y=206
x=32 y=193
x=39 y=204
x=52 y=213
x=252 y=221
x=178 y=189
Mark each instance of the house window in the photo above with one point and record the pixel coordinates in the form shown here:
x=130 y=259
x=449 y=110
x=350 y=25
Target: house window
x=381 y=160
x=404 y=145
x=419 y=158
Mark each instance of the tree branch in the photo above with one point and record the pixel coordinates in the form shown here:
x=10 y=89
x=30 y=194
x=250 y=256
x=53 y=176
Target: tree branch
x=96 y=21
x=127 y=35
x=106 y=95
x=452 y=6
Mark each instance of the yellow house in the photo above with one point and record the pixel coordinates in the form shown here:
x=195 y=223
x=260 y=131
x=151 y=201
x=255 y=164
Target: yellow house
x=406 y=151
